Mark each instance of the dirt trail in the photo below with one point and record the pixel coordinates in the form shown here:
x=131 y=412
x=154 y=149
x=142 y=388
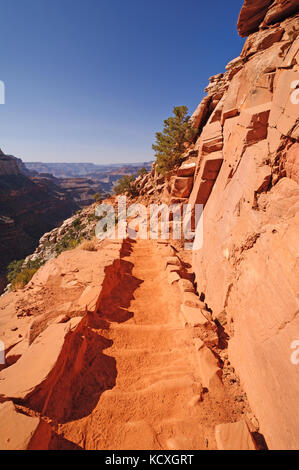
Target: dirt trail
x=156 y=400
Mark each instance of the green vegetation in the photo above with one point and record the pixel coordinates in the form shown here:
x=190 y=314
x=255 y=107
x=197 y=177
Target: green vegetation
x=13 y=269
x=92 y=218
x=142 y=172
x=171 y=143
x=77 y=224
x=97 y=197
x=126 y=184
x=19 y=275
x=68 y=242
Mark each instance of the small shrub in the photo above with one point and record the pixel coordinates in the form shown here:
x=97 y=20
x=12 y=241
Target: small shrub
x=13 y=269
x=92 y=218
x=171 y=143
x=89 y=245
x=76 y=224
x=23 y=278
x=142 y=172
x=126 y=184
x=19 y=276
x=97 y=197
x=68 y=242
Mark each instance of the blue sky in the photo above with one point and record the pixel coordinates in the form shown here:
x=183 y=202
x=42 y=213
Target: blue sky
x=92 y=80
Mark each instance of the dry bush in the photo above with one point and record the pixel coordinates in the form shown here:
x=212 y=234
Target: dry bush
x=90 y=245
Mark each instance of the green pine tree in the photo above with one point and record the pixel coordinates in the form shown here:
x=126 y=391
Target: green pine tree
x=126 y=184
x=171 y=143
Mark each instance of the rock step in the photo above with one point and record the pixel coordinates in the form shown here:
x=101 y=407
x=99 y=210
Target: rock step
x=22 y=432
x=234 y=436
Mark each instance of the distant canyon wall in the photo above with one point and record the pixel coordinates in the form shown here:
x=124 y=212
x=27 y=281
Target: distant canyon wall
x=29 y=207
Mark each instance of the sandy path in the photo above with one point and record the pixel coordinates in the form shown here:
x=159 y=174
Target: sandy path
x=154 y=403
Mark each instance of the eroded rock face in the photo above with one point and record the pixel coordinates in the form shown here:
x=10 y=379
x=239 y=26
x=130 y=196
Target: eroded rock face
x=234 y=436
x=8 y=166
x=251 y=15
x=257 y=13
x=247 y=267
x=22 y=432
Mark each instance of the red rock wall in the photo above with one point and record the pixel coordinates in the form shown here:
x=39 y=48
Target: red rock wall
x=261 y=13
x=247 y=267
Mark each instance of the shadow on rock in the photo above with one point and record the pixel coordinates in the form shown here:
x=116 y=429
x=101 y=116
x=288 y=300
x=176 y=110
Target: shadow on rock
x=117 y=292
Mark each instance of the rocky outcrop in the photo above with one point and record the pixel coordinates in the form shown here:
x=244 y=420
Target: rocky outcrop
x=247 y=179
x=173 y=188
x=8 y=165
x=22 y=432
x=251 y=15
x=234 y=436
x=262 y=13
x=79 y=227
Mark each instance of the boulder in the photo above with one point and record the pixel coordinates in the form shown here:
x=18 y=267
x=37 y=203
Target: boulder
x=16 y=352
x=186 y=286
x=192 y=300
x=22 y=432
x=173 y=260
x=173 y=277
x=20 y=380
x=170 y=268
x=89 y=297
x=187 y=169
x=234 y=436
x=279 y=10
x=208 y=367
x=201 y=112
x=182 y=187
x=212 y=138
x=193 y=316
x=251 y=16
x=261 y=40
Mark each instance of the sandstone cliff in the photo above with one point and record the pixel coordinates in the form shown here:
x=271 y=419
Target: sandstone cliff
x=248 y=265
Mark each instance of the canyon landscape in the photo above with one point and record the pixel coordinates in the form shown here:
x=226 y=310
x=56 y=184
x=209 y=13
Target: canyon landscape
x=143 y=342
x=34 y=202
